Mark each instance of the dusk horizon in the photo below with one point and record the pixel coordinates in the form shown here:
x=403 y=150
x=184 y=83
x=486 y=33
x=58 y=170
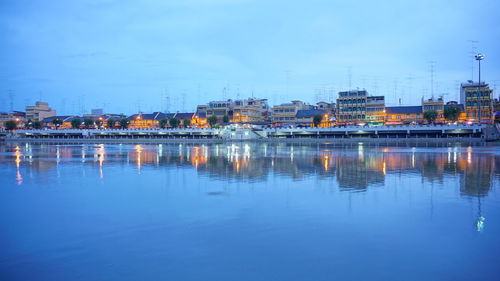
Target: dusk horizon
x=127 y=58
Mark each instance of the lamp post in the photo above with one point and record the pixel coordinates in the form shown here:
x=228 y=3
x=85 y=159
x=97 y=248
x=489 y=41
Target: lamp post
x=479 y=58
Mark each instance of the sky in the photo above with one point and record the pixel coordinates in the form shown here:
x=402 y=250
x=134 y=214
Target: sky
x=130 y=56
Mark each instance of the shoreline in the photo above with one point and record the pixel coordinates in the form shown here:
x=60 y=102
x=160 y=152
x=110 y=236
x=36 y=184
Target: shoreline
x=265 y=140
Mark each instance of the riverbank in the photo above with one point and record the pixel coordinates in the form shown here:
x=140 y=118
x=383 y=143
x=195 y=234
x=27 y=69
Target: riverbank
x=263 y=140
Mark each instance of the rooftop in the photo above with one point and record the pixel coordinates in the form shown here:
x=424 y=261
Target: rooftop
x=403 y=109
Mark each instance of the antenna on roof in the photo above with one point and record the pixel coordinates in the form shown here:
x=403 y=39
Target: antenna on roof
x=11 y=100
x=224 y=94
x=432 y=64
x=410 y=79
x=349 y=77
x=472 y=54
x=287 y=80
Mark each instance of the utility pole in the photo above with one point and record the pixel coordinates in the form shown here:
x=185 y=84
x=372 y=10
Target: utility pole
x=11 y=100
x=472 y=57
x=432 y=63
x=349 y=77
x=479 y=58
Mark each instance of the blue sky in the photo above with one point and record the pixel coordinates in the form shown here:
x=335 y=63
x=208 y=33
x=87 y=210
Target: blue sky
x=127 y=56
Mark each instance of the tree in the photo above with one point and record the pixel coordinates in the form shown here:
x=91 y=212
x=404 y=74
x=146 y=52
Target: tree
x=75 y=123
x=57 y=122
x=225 y=119
x=451 y=113
x=317 y=119
x=212 y=120
x=87 y=122
x=111 y=123
x=163 y=123
x=124 y=123
x=98 y=123
x=37 y=125
x=10 y=125
x=186 y=122
x=28 y=124
x=430 y=116
x=174 y=122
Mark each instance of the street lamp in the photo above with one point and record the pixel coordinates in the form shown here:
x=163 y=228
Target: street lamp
x=479 y=58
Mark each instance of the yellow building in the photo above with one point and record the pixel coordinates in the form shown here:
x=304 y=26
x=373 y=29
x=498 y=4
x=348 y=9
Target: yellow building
x=306 y=117
x=249 y=110
x=399 y=115
x=149 y=120
x=478 y=102
x=199 y=120
x=287 y=112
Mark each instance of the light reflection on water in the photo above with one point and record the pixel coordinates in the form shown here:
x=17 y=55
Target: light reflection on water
x=261 y=204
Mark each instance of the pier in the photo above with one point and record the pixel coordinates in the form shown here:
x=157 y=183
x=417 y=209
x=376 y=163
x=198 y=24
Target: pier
x=342 y=134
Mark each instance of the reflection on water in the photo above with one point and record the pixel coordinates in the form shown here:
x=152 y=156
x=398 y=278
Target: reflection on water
x=354 y=168
x=248 y=211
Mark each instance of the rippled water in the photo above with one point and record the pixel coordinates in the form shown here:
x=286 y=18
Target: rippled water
x=249 y=212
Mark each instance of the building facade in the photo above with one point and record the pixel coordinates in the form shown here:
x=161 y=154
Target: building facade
x=287 y=112
x=249 y=110
x=39 y=111
x=477 y=99
x=357 y=106
x=375 y=110
x=220 y=109
x=403 y=115
x=306 y=117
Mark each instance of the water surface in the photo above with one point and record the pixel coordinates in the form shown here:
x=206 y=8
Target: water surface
x=249 y=212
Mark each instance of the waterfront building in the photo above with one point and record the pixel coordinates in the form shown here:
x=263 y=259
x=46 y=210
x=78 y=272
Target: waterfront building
x=400 y=115
x=478 y=101
x=39 y=111
x=375 y=110
x=287 y=112
x=199 y=120
x=326 y=106
x=149 y=120
x=66 y=121
x=106 y=118
x=220 y=109
x=434 y=104
x=306 y=116
x=18 y=116
x=182 y=116
x=462 y=117
x=238 y=111
x=249 y=110
x=356 y=106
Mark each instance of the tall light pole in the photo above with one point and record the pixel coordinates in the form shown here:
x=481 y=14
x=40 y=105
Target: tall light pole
x=479 y=58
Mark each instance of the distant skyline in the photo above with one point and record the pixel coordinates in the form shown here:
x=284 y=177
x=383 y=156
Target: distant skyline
x=126 y=56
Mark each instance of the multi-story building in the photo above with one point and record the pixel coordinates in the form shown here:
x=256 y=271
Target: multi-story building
x=220 y=109
x=375 y=110
x=496 y=110
x=434 y=104
x=326 y=106
x=249 y=110
x=39 y=111
x=357 y=106
x=238 y=111
x=287 y=112
x=478 y=101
